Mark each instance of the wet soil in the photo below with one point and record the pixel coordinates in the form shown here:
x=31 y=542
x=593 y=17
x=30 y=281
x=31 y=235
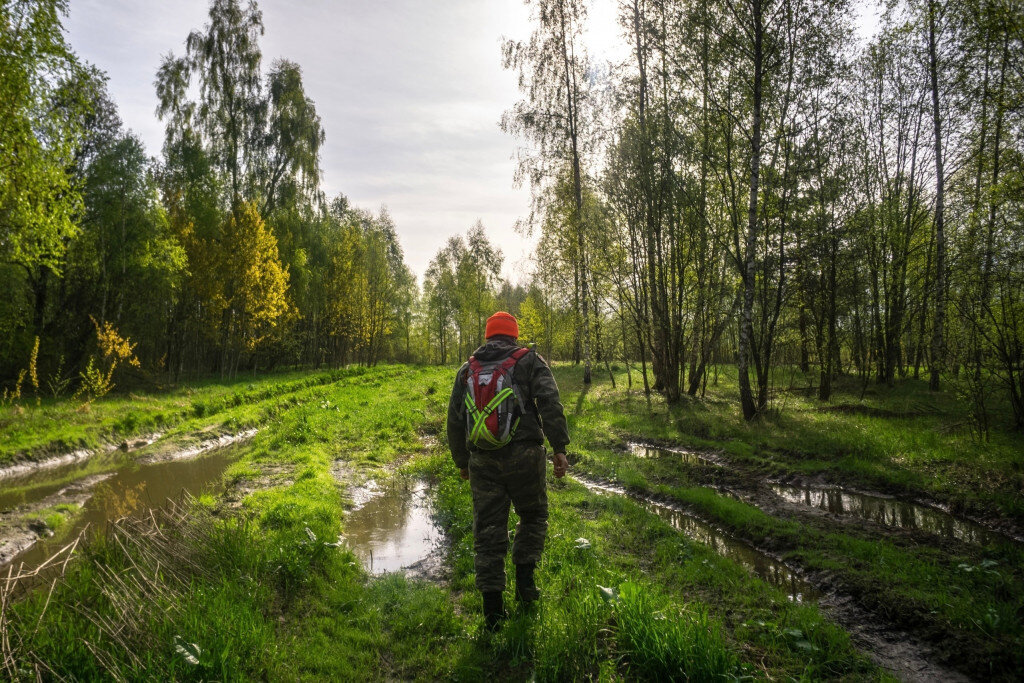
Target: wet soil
x=686 y=456
x=20 y=525
x=881 y=512
x=389 y=524
x=887 y=511
x=878 y=624
x=758 y=562
x=71 y=458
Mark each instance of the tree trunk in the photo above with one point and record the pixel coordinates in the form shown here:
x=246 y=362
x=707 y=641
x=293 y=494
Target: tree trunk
x=750 y=265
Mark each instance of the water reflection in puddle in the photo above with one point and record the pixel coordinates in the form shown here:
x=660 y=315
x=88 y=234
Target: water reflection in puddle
x=758 y=563
x=643 y=450
x=133 y=489
x=391 y=528
x=887 y=511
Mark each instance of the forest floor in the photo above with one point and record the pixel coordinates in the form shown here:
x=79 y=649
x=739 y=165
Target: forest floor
x=867 y=538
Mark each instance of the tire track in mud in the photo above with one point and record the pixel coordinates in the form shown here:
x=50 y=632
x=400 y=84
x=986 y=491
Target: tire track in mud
x=889 y=647
x=20 y=533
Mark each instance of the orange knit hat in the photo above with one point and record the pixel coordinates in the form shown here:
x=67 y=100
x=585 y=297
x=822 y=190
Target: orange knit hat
x=502 y=323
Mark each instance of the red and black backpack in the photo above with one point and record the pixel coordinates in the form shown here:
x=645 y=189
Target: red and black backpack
x=494 y=404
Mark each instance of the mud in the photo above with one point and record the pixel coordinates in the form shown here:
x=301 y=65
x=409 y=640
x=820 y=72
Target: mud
x=20 y=528
x=131 y=488
x=794 y=494
x=689 y=457
x=886 y=511
x=76 y=456
x=268 y=476
x=205 y=444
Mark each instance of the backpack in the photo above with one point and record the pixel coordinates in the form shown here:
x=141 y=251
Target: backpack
x=494 y=404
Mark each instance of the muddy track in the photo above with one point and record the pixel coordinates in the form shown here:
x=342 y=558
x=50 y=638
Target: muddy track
x=56 y=454
x=20 y=530
x=872 y=516
x=754 y=484
x=889 y=647
x=389 y=523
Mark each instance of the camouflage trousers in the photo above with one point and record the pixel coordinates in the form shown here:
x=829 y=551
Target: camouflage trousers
x=513 y=475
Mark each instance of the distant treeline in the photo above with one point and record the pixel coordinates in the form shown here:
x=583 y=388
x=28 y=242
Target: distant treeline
x=221 y=255
x=750 y=185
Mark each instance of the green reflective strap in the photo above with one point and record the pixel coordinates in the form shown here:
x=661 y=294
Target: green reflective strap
x=480 y=417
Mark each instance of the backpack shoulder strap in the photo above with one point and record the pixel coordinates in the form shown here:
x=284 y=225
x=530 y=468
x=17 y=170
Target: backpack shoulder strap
x=514 y=357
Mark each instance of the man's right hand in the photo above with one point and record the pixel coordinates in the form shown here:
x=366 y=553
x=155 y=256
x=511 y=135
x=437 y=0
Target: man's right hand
x=464 y=473
x=561 y=465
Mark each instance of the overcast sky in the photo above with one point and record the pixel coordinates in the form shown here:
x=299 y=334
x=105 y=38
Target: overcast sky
x=409 y=91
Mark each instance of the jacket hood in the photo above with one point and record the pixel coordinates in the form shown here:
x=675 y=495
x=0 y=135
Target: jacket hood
x=496 y=348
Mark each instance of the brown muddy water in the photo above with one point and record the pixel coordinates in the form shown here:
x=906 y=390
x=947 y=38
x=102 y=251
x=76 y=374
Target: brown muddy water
x=647 y=451
x=760 y=564
x=130 y=489
x=887 y=511
x=391 y=528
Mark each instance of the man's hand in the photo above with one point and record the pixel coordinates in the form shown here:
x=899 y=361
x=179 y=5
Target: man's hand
x=561 y=465
x=464 y=473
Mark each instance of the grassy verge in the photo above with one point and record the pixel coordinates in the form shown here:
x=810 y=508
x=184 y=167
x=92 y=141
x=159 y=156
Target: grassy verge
x=58 y=426
x=639 y=600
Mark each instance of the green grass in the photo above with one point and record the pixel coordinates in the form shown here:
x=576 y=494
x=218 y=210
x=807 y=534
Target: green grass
x=267 y=597
x=643 y=601
x=963 y=597
x=928 y=451
x=59 y=426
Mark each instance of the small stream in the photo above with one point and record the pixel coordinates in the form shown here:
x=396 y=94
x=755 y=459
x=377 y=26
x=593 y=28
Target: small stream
x=391 y=527
x=753 y=560
x=887 y=511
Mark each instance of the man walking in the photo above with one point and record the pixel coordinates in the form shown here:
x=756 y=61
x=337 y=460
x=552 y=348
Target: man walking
x=504 y=402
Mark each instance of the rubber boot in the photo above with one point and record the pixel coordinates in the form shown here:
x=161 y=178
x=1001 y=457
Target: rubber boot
x=494 y=610
x=526 y=588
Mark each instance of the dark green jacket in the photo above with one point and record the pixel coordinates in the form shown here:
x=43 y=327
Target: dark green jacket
x=544 y=415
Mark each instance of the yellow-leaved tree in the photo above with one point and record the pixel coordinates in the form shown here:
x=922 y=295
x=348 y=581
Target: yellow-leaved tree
x=253 y=291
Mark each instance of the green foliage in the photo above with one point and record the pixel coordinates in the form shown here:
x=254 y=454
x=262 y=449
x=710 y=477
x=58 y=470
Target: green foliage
x=460 y=291
x=41 y=103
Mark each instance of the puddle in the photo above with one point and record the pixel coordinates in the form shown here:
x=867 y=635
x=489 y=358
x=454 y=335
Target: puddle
x=760 y=564
x=887 y=511
x=132 y=489
x=35 y=485
x=391 y=528
x=647 y=451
